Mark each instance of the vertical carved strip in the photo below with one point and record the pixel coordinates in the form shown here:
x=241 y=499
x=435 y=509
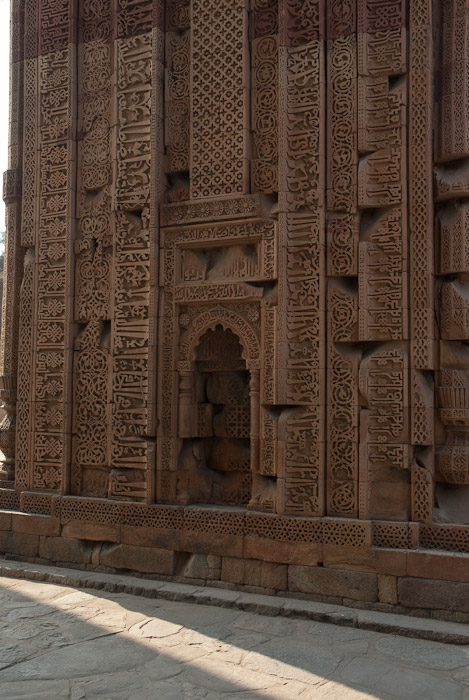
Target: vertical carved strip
x=382 y=186
x=342 y=124
x=384 y=433
x=420 y=183
x=301 y=261
x=421 y=252
x=177 y=106
x=342 y=246
x=133 y=344
x=28 y=240
x=157 y=194
x=265 y=87
x=30 y=158
x=220 y=98
x=25 y=389
x=342 y=449
x=382 y=179
x=52 y=350
x=93 y=249
x=342 y=243
x=167 y=445
x=453 y=131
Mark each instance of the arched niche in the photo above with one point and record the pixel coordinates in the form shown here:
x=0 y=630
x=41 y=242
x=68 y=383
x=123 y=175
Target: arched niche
x=218 y=416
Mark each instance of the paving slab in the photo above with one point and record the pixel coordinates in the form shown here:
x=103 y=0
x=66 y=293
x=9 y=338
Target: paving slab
x=98 y=644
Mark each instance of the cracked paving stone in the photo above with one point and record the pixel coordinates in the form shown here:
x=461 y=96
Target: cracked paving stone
x=154 y=629
x=430 y=655
x=378 y=676
x=28 y=612
x=247 y=641
x=39 y=690
x=271 y=625
x=293 y=659
x=102 y=655
x=335 y=691
x=122 y=647
x=13 y=654
x=211 y=674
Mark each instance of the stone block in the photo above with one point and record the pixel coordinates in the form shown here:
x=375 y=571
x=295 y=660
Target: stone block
x=151 y=537
x=20 y=544
x=143 y=559
x=387 y=589
x=25 y=545
x=383 y=561
x=5 y=520
x=433 y=594
x=208 y=543
x=201 y=566
x=97 y=532
x=282 y=552
x=250 y=572
x=65 y=549
x=35 y=524
x=331 y=582
x=446 y=566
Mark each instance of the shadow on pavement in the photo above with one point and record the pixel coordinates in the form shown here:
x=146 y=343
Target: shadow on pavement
x=64 y=643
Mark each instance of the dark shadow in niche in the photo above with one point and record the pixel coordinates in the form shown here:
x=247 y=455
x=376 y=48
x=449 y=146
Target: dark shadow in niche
x=215 y=460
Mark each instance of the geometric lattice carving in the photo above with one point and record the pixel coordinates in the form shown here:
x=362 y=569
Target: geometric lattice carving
x=219 y=99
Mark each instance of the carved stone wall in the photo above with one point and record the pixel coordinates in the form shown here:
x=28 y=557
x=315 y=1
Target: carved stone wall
x=236 y=301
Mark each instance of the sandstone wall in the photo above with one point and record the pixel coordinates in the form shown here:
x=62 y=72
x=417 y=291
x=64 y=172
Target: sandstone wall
x=235 y=310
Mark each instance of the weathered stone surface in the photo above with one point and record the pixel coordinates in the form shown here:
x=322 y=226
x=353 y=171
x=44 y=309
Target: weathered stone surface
x=20 y=544
x=387 y=589
x=254 y=573
x=436 y=595
x=431 y=655
x=42 y=690
x=390 y=562
x=330 y=582
x=380 y=677
x=144 y=559
x=92 y=531
x=64 y=549
x=35 y=524
x=151 y=537
x=199 y=566
x=435 y=565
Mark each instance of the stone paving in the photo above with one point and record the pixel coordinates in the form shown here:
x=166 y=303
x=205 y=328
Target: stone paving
x=61 y=643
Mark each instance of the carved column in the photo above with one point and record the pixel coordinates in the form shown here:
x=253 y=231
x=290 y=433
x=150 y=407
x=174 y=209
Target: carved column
x=137 y=191
x=29 y=217
x=300 y=378
x=13 y=267
x=421 y=256
x=343 y=233
x=385 y=458
x=186 y=404
x=254 y=398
